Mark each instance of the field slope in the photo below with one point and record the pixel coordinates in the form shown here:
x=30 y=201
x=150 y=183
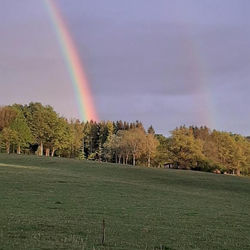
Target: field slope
x=53 y=203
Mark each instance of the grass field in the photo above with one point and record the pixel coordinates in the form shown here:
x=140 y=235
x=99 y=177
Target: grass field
x=53 y=203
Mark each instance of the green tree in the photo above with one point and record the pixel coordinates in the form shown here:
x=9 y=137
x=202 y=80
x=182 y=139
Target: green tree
x=151 y=144
x=61 y=138
x=23 y=134
x=186 y=152
x=135 y=140
x=240 y=154
x=162 y=155
x=8 y=137
x=77 y=136
x=112 y=148
x=36 y=116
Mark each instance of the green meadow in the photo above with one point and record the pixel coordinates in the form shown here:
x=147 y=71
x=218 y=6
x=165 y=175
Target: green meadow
x=56 y=203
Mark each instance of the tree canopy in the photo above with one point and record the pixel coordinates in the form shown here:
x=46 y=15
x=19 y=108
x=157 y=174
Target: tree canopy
x=38 y=129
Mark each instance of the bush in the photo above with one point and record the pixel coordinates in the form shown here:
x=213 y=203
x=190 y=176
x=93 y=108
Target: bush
x=208 y=166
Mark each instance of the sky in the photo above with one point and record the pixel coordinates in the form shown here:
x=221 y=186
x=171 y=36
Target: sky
x=166 y=62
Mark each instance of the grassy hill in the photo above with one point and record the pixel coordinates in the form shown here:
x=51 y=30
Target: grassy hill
x=53 y=203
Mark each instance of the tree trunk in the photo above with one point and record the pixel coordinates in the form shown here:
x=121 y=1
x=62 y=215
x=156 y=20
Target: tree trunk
x=18 y=149
x=41 y=149
x=47 y=152
x=126 y=161
x=149 y=161
x=119 y=159
x=7 y=148
x=238 y=172
x=53 y=152
x=133 y=160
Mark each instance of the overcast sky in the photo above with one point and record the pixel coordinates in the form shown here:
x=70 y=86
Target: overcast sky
x=164 y=62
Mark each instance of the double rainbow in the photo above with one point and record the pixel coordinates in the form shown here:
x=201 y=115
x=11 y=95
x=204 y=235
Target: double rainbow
x=81 y=86
x=78 y=77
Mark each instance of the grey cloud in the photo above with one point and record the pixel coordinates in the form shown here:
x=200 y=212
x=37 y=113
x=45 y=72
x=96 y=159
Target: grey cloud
x=146 y=60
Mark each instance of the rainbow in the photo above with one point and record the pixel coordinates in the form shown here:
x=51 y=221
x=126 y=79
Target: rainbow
x=201 y=76
x=78 y=77
x=198 y=75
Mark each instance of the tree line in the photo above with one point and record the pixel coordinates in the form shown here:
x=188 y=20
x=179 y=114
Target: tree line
x=38 y=129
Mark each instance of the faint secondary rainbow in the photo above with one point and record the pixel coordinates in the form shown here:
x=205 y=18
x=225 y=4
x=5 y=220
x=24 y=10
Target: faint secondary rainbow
x=199 y=74
x=78 y=77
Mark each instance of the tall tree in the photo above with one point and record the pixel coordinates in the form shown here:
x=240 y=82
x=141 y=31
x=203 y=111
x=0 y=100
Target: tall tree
x=186 y=152
x=151 y=144
x=23 y=134
x=77 y=136
x=61 y=138
x=7 y=115
x=136 y=140
x=8 y=137
x=162 y=153
x=36 y=115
